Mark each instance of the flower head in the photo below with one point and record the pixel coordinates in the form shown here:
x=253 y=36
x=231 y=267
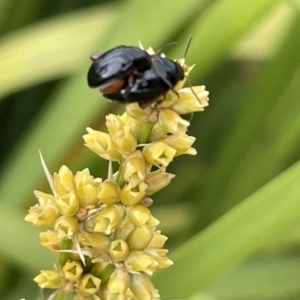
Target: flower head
x=103 y=230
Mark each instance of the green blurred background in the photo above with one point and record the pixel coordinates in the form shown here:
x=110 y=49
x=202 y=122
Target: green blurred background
x=232 y=218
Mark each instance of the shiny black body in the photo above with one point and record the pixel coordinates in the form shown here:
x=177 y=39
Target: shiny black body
x=159 y=79
x=130 y=74
x=118 y=63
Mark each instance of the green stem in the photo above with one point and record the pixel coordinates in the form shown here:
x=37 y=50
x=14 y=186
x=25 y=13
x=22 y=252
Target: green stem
x=120 y=177
x=146 y=130
x=64 y=296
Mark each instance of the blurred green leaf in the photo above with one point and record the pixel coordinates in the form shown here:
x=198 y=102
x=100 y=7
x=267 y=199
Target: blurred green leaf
x=20 y=240
x=255 y=222
x=263 y=279
x=57 y=47
x=262 y=99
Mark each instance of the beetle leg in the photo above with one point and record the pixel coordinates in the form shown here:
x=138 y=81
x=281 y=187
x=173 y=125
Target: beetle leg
x=146 y=103
x=130 y=81
x=112 y=86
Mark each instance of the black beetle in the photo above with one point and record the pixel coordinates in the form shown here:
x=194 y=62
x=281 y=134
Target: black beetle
x=129 y=74
x=110 y=68
x=159 y=79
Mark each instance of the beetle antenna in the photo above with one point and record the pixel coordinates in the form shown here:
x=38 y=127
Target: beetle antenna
x=184 y=57
x=191 y=87
x=165 y=46
x=187 y=46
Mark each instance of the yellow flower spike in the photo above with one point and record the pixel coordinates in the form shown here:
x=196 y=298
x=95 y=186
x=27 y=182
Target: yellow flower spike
x=118 y=250
x=109 y=193
x=133 y=195
x=142 y=287
x=139 y=214
x=159 y=153
x=188 y=103
x=66 y=227
x=181 y=144
x=124 y=141
x=50 y=240
x=107 y=225
x=119 y=281
x=51 y=279
x=64 y=181
x=139 y=261
x=171 y=122
x=87 y=188
x=135 y=168
x=157 y=180
x=88 y=285
x=72 y=270
x=158 y=240
x=101 y=144
x=107 y=220
x=139 y=238
x=96 y=240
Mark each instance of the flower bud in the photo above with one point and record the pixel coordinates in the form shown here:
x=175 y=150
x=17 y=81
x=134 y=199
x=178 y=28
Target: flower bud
x=113 y=124
x=132 y=195
x=139 y=214
x=51 y=279
x=66 y=227
x=119 y=281
x=157 y=180
x=159 y=255
x=45 y=213
x=124 y=229
x=138 y=113
x=188 y=103
x=50 y=240
x=142 y=287
x=135 y=125
x=139 y=261
x=158 y=240
x=118 y=250
x=124 y=141
x=107 y=220
x=101 y=143
x=159 y=153
x=87 y=188
x=139 y=238
x=72 y=270
x=88 y=285
x=96 y=239
x=64 y=181
x=182 y=144
x=171 y=122
x=109 y=193
x=42 y=216
x=68 y=204
x=135 y=168
x=92 y=297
